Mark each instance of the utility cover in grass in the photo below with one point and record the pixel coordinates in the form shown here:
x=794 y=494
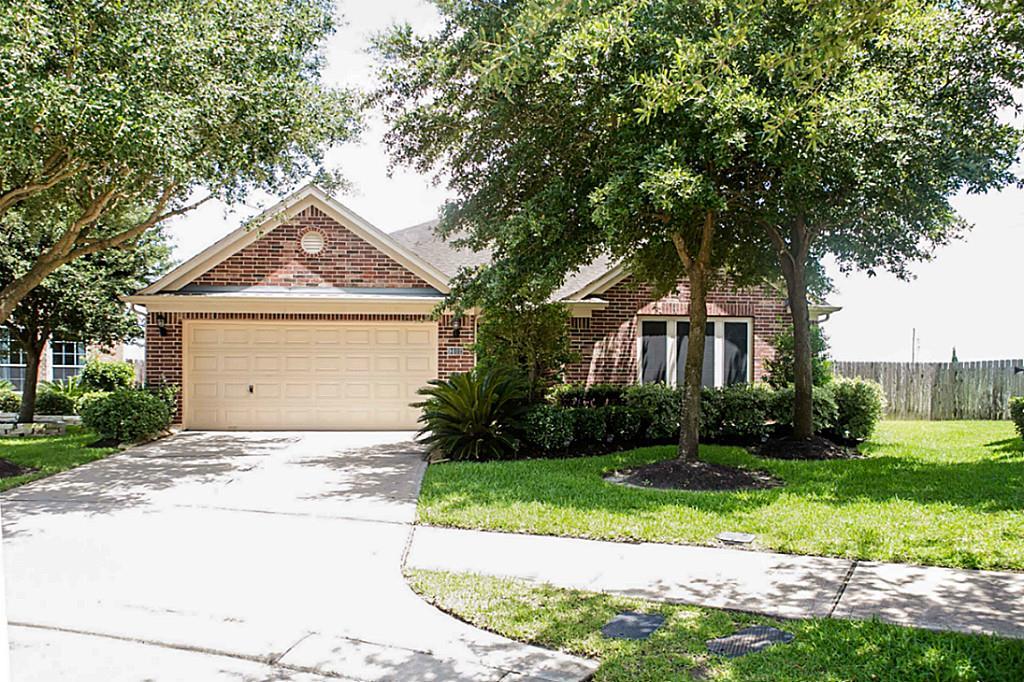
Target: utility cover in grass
x=629 y=625
x=748 y=641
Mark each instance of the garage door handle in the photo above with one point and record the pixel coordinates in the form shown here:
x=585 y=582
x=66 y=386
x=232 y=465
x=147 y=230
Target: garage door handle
x=250 y=388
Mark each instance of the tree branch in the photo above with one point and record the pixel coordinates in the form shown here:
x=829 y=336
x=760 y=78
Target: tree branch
x=63 y=170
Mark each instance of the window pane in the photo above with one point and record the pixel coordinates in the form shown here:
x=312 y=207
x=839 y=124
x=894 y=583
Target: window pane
x=654 y=352
x=736 y=359
x=707 y=377
x=13 y=374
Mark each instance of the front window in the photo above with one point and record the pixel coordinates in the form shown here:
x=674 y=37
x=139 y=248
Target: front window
x=68 y=359
x=663 y=343
x=12 y=361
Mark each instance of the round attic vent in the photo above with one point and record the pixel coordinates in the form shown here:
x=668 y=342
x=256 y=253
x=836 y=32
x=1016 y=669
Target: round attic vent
x=312 y=242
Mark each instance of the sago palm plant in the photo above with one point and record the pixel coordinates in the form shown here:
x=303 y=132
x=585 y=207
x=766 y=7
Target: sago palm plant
x=477 y=415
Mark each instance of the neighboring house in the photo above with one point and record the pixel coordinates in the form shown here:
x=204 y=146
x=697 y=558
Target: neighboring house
x=61 y=359
x=314 y=319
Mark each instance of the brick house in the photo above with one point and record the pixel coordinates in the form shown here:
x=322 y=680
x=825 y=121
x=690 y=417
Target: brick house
x=315 y=319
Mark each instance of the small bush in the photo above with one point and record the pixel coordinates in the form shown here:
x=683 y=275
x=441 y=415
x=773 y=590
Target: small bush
x=51 y=402
x=825 y=409
x=567 y=395
x=167 y=393
x=589 y=425
x=660 y=405
x=88 y=397
x=126 y=415
x=549 y=429
x=602 y=395
x=107 y=376
x=59 y=397
x=780 y=366
x=9 y=400
x=736 y=414
x=624 y=424
x=476 y=415
x=859 y=405
x=1017 y=414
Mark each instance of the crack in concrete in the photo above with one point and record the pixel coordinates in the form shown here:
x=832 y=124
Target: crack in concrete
x=842 y=587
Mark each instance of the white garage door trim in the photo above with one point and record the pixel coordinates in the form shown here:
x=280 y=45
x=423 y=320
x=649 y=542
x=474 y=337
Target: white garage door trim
x=344 y=375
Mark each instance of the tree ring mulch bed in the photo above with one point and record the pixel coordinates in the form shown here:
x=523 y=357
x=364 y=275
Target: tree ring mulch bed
x=673 y=474
x=787 y=447
x=9 y=468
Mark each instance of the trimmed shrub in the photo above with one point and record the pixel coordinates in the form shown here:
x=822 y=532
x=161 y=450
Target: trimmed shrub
x=87 y=397
x=736 y=414
x=578 y=395
x=659 y=404
x=1017 y=414
x=859 y=405
x=52 y=402
x=59 y=397
x=624 y=424
x=549 y=428
x=475 y=415
x=825 y=409
x=126 y=415
x=98 y=375
x=589 y=425
x=9 y=400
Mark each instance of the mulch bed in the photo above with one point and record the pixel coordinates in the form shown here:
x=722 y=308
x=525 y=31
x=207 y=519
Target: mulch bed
x=9 y=468
x=674 y=474
x=787 y=447
x=104 y=443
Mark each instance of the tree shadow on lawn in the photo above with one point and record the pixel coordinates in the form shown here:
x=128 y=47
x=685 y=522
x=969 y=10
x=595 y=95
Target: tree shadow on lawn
x=1012 y=446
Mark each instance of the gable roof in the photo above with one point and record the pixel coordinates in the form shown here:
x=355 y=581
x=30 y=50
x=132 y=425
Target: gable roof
x=280 y=213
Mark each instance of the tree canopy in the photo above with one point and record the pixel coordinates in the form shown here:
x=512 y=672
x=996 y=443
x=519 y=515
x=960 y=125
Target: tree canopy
x=80 y=301
x=700 y=138
x=157 y=103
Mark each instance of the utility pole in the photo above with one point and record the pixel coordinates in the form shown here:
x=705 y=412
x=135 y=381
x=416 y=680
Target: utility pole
x=913 y=345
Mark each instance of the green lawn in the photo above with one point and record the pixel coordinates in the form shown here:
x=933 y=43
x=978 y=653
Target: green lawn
x=938 y=493
x=823 y=651
x=50 y=454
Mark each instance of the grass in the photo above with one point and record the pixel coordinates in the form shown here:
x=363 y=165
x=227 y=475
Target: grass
x=823 y=651
x=934 y=493
x=49 y=454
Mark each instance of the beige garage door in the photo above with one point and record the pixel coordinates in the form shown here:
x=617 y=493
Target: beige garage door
x=267 y=376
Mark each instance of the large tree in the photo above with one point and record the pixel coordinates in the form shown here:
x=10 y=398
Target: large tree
x=156 y=103
x=877 y=141
x=619 y=127
x=80 y=301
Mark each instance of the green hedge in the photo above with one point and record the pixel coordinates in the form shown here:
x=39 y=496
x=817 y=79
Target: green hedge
x=127 y=415
x=577 y=421
x=1017 y=414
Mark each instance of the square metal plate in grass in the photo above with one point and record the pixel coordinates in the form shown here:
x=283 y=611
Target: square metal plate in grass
x=748 y=641
x=732 y=538
x=629 y=625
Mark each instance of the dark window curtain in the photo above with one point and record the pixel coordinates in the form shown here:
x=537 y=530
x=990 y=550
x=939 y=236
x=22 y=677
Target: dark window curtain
x=654 y=353
x=736 y=360
x=707 y=377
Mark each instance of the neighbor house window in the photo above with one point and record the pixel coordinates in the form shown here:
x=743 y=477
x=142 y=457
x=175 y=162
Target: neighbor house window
x=663 y=343
x=68 y=359
x=12 y=362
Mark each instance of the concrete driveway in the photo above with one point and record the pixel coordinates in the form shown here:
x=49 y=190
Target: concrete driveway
x=244 y=556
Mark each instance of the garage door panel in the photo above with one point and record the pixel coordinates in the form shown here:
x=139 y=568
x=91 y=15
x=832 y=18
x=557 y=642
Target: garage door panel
x=307 y=376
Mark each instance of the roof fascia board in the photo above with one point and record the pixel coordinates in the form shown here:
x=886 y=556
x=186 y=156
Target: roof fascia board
x=277 y=304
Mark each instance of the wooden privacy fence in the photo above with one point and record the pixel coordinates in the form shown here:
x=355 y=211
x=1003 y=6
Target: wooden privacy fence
x=943 y=390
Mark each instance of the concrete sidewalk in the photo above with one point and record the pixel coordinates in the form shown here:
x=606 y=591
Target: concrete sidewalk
x=783 y=585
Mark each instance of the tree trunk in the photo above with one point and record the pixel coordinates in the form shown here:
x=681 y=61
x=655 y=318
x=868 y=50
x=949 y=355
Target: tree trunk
x=33 y=354
x=689 y=416
x=794 y=267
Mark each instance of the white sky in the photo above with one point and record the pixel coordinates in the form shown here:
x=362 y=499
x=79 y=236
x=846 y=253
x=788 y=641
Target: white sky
x=971 y=296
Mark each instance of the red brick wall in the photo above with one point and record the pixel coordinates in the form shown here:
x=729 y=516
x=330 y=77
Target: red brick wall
x=276 y=259
x=164 y=352
x=607 y=344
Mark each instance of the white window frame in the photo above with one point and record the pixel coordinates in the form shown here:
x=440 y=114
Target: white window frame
x=52 y=364
x=671 y=341
x=8 y=341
